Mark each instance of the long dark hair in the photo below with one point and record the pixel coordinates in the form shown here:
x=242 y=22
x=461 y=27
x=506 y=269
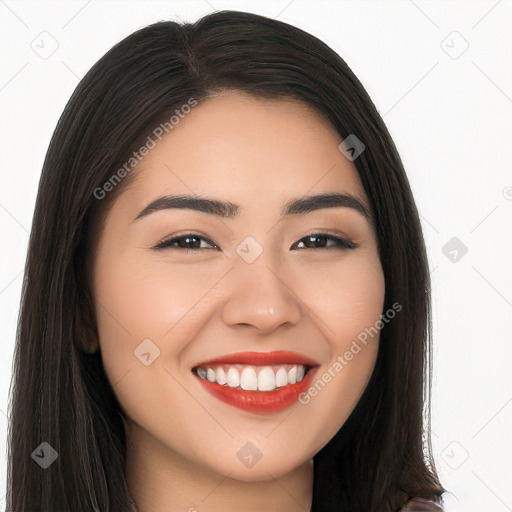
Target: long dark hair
x=60 y=394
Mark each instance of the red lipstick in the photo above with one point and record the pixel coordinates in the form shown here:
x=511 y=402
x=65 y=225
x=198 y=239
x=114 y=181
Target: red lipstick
x=260 y=401
x=261 y=359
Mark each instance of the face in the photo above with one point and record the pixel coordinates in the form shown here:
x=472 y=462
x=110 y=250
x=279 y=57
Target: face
x=256 y=292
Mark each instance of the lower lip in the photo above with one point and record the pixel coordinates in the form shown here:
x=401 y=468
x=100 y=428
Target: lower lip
x=259 y=401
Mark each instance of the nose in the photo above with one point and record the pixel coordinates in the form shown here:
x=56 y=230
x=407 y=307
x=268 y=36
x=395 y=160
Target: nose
x=260 y=297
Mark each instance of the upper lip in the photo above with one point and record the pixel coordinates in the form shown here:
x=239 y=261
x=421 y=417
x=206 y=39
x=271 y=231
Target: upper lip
x=261 y=359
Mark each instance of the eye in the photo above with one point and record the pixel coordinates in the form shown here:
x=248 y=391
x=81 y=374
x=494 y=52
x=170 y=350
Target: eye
x=193 y=242
x=321 y=241
x=188 y=242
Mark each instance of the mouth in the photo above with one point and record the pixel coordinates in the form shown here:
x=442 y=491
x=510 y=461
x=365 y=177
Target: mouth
x=260 y=382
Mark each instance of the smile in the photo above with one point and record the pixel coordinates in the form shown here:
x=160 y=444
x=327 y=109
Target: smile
x=252 y=378
x=260 y=388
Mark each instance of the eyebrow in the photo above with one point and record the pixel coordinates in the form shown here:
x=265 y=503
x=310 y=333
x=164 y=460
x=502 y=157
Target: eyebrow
x=229 y=210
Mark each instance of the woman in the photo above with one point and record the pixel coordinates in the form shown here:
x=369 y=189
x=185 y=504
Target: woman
x=227 y=302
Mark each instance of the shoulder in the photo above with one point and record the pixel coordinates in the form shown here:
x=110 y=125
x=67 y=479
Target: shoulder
x=420 y=505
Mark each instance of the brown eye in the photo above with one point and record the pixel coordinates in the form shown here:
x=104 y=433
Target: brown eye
x=322 y=241
x=188 y=242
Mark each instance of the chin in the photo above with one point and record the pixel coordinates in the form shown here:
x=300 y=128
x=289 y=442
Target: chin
x=264 y=469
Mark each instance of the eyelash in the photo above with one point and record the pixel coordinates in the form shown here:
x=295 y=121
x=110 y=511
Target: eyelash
x=167 y=244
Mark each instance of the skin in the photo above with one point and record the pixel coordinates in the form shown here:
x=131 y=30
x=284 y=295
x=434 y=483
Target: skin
x=182 y=443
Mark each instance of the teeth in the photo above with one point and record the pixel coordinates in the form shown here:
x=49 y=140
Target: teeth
x=281 y=378
x=248 y=379
x=233 y=378
x=220 y=375
x=266 y=379
x=252 y=378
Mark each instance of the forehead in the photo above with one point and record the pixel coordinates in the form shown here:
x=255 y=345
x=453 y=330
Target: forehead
x=233 y=143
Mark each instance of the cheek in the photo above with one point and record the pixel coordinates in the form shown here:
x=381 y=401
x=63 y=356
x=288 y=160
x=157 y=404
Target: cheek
x=137 y=300
x=347 y=313
x=144 y=304
x=148 y=300
x=346 y=298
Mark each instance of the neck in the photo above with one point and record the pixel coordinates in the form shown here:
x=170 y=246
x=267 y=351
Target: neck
x=160 y=480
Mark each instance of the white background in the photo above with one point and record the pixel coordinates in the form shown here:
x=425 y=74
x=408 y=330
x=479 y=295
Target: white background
x=450 y=115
